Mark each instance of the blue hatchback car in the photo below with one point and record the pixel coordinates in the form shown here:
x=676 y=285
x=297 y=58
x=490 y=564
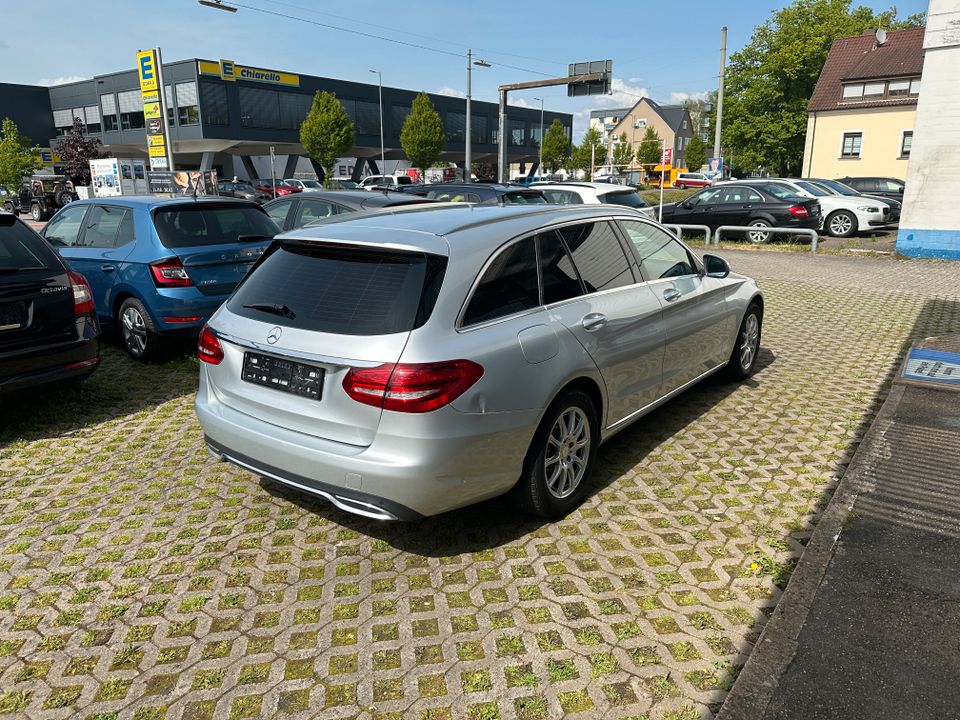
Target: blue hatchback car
x=159 y=266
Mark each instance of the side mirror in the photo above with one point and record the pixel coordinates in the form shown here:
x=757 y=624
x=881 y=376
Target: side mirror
x=716 y=266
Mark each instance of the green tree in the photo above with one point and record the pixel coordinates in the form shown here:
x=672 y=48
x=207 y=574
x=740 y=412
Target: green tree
x=770 y=81
x=590 y=152
x=696 y=153
x=556 y=147
x=622 y=152
x=649 y=152
x=18 y=158
x=326 y=132
x=422 y=134
x=76 y=150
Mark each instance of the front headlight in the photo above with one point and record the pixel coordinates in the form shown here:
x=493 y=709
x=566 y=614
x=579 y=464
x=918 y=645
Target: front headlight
x=868 y=208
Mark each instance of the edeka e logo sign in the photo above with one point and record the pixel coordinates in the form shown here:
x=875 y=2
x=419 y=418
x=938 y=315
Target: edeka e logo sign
x=228 y=70
x=147 y=70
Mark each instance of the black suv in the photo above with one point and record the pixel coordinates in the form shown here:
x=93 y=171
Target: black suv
x=882 y=187
x=48 y=327
x=41 y=196
x=480 y=193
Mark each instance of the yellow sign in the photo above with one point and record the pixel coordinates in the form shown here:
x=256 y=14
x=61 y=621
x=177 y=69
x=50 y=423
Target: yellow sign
x=147 y=70
x=228 y=70
x=155 y=141
x=157 y=152
x=151 y=97
x=151 y=110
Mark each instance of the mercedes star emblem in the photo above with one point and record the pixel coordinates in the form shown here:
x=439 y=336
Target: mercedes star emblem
x=274 y=335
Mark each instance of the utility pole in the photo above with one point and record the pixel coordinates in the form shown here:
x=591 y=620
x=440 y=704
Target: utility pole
x=723 y=69
x=467 y=144
x=540 y=160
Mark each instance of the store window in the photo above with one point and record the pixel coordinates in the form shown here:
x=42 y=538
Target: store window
x=188 y=107
x=131 y=109
x=91 y=115
x=108 y=104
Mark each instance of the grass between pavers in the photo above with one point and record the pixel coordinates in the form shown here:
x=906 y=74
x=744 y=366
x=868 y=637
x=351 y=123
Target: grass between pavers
x=126 y=551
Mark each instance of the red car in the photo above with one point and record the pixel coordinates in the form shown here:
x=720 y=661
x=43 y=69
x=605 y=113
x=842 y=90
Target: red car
x=691 y=180
x=266 y=186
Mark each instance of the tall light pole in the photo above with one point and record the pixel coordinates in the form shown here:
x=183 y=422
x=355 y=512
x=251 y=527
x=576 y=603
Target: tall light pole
x=468 y=140
x=540 y=160
x=723 y=69
x=383 y=162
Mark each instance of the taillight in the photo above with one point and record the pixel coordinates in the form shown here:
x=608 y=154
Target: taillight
x=799 y=211
x=412 y=387
x=170 y=273
x=82 y=294
x=209 y=349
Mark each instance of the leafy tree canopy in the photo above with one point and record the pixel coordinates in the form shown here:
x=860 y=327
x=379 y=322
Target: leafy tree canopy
x=17 y=157
x=556 y=147
x=696 y=153
x=326 y=132
x=622 y=152
x=422 y=134
x=649 y=152
x=76 y=150
x=770 y=81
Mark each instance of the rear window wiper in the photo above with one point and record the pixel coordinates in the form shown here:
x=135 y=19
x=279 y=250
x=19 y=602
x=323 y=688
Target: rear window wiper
x=273 y=308
x=253 y=238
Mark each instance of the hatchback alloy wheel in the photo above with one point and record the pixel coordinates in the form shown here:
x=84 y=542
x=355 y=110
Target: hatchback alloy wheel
x=749 y=340
x=568 y=449
x=134 y=331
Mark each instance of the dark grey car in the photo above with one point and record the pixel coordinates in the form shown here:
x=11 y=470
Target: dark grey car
x=228 y=188
x=294 y=211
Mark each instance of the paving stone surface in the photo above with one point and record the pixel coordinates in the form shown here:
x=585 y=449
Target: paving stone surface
x=140 y=579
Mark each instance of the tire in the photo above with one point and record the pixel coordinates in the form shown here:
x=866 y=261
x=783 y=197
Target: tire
x=556 y=473
x=682 y=186
x=9 y=207
x=36 y=212
x=137 y=331
x=756 y=236
x=841 y=223
x=743 y=358
x=64 y=198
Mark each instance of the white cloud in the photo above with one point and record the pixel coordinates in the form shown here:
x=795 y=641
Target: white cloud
x=678 y=97
x=62 y=80
x=452 y=92
x=522 y=102
x=625 y=93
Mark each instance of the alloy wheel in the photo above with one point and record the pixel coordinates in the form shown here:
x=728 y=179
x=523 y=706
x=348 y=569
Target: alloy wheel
x=568 y=450
x=134 y=331
x=756 y=236
x=749 y=340
x=840 y=224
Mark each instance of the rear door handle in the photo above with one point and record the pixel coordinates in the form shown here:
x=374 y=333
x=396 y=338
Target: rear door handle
x=108 y=268
x=593 y=321
x=671 y=294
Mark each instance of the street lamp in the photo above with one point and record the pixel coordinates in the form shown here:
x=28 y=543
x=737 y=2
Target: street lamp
x=218 y=5
x=540 y=161
x=466 y=154
x=383 y=162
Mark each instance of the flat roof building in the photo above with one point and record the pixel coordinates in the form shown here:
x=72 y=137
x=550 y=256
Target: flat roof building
x=218 y=119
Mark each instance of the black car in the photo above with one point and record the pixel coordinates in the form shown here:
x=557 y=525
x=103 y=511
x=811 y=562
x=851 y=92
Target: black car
x=838 y=188
x=41 y=196
x=48 y=327
x=744 y=204
x=238 y=189
x=881 y=187
x=294 y=211
x=485 y=193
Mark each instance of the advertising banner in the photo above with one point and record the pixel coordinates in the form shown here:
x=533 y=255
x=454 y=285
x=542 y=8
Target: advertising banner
x=105 y=177
x=183 y=182
x=714 y=168
x=154 y=108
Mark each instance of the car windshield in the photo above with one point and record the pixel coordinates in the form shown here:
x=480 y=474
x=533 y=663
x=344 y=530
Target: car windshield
x=313 y=184
x=191 y=225
x=524 y=198
x=812 y=188
x=244 y=187
x=837 y=187
x=629 y=198
x=346 y=184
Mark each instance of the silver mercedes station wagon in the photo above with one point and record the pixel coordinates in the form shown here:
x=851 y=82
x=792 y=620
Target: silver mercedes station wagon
x=404 y=364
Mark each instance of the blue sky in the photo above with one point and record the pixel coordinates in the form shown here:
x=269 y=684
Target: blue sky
x=665 y=50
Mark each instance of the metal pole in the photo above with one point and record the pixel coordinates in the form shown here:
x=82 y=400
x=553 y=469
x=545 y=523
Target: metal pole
x=723 y=67
x=593 y=159
x=663 y=162
x=502 y=139
x=467 y=140
x=273 y=174
x=540 y=160
x=162 y=98
x=383 y=162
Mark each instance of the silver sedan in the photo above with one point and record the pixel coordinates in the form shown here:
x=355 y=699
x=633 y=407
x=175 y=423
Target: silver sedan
x=404 y=364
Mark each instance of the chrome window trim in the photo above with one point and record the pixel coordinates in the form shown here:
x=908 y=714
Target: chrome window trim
x=284 y=352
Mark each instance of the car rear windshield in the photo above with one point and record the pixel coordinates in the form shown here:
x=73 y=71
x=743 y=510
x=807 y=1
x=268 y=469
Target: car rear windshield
x=341 y=290
x=529 y=197
x=207 y=224
x=23 y=249
x=781 y=192
x=629 y=198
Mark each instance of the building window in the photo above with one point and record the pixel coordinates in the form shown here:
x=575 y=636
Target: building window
x=898 y=88
x=852 y=143
x=398 y=116
x=915 y=86
x=108 y=105
x=213 y=98
x=91 y=114
x=455 y=127
x=259 y=108
x=535 y=136
x=478 y=130
x=518 y=133
x=63 y=121
x=368 y=118
x=906 y=142
x=873 y=89
x=188 y=107
x=131 y=109
x=881 y=89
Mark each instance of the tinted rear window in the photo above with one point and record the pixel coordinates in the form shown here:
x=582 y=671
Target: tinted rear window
x=524 y=198
x=629 y=198
x=23 y=249
x=347 y=291
x=203 y=224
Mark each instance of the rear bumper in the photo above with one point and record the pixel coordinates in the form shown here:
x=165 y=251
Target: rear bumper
x=48 y=365
x=184 y=310
x=417 y=465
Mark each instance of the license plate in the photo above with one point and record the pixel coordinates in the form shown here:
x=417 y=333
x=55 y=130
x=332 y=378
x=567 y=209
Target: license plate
x=284 y=375
x=12 y=316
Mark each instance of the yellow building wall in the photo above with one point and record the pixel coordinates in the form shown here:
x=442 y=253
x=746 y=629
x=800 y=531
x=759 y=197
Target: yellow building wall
x=882 y=130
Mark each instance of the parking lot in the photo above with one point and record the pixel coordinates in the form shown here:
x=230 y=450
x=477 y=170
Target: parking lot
x=140 y=579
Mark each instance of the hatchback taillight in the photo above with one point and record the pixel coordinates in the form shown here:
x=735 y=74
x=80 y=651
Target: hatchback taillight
x=170 y=273
x=82 y=295
x=209 y=349
x=799 y=211
x=412 y=387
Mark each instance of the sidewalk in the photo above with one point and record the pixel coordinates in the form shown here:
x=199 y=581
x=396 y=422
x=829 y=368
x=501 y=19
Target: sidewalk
x=869 y=626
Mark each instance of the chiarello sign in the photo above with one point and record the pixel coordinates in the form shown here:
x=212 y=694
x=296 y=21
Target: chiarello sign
x=230 y=71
